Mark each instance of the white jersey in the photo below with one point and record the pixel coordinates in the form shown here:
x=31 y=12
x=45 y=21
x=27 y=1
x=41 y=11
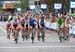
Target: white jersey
x=8 y=22
x=13 y=21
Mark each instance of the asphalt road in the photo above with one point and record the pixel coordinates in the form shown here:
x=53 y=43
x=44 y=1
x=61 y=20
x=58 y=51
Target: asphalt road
x=51 y=43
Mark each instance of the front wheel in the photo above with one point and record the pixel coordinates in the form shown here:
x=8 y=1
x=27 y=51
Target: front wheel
x=43 y=38
x=15 y=36
x=60 y=35
x=16 y=40
x=8 y=33
x=32 y=39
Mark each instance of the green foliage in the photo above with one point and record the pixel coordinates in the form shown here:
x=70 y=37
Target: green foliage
x=23 y=4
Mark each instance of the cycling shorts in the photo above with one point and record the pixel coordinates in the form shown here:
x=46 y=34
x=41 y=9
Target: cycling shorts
x=15 y=26
x=33 y=26
x=22 y=25
x=8 y=25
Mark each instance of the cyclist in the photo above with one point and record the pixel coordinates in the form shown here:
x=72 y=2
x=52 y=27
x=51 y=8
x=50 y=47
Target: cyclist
x=60 y=21
x=8 y=24
x=67 y=19
x=67 y=25
x=60 y=25
x=22 y=23
x=73 y=26
x=32 y=23
x=41 y=28
x=8 y=28
x=15 y=28
x=15 y=23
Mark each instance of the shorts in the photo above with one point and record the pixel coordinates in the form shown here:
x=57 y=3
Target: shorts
x=16 y=27
x=33 y=26
x=22 y=25
x=59 y=26
x=8 y=27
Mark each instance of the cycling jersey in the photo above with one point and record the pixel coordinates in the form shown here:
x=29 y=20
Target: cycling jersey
x=8 y=24
x=60 y=21
x=42 y=22
x=15 y=23
x=32 y=22
x=27 y=22
x=22 y=23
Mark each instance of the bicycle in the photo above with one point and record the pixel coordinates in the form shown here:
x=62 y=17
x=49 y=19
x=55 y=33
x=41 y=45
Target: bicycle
x=60 y=35
x=22 y=32
x=25 y=34
x=32 y=35
x=8 y=33
x=66 y=33
x=16 y=34
x=42 y=35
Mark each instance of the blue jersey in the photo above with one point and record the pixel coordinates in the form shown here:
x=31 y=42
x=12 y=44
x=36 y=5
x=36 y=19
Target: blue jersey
x=31 y=21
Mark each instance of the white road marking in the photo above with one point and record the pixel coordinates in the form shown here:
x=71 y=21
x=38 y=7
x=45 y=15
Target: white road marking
x=2 y=37
x=40 y=47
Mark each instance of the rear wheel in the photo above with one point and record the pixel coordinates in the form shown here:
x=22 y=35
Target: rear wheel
x=16 y=40
x=8 y=33
x=15 y=36
x=43 y=37
x=60 y=35
x=32 y=37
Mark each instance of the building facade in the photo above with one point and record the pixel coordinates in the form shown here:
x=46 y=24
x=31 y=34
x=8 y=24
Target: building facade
x=8 y=5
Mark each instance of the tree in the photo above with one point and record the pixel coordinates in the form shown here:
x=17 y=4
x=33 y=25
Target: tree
x=50 y=3
x=23 y=4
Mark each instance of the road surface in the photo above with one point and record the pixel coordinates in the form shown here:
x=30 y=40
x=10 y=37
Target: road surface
x=51 y=43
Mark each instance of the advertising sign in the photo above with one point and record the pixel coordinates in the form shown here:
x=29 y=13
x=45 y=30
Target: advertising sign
x=32 y=6
x=19 y=9
x=72 y=4
x=57 y=6
x=43 y=6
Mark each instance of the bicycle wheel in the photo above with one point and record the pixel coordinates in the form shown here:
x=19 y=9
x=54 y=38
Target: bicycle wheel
x=16 y=40
x=8 y=33
x=32 y=37
x=26 y=34
x=39 y=36
x=68 y=35
x=43 y=39
x=16 y=36
x=60 y=35
x=23 y=37
x=43 y=34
